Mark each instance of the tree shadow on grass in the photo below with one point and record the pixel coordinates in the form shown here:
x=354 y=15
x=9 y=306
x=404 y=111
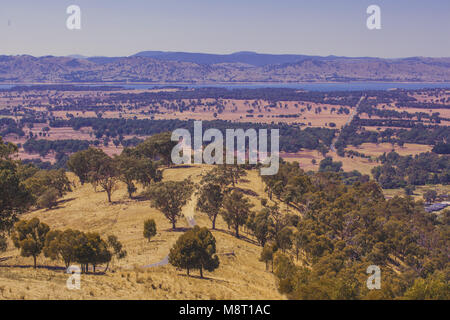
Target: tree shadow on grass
x=156 y=241
x=121 y=201
x=51 y=268
x=58 y=205
x=65 y=200
x=247 y=192
x=181 y=167
x=23 y=266
x=53 y=208
x=241 y=236
x=179 y=229
x=5 y=258
x=140 y=198
x=195 y=276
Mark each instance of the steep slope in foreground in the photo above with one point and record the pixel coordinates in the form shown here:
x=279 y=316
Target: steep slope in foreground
x=240 y=276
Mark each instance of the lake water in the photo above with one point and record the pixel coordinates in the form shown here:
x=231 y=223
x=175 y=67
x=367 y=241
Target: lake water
x=341 y=86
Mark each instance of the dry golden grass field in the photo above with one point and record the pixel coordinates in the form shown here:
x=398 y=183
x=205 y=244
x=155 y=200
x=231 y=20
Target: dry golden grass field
x=363 y=165
x=234 y=110
x=237 y=110
x=418 y=192
x=240 y=275
x=305 y=157
x=373 y=149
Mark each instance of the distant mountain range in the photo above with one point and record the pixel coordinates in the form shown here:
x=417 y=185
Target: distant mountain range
x=246 y=57
x=184 y=67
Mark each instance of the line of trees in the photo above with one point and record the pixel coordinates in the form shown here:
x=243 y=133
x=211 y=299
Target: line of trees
x=292 y=137
x=34 y=237
x=43 y=147
x=355 y=134
x=133 y=165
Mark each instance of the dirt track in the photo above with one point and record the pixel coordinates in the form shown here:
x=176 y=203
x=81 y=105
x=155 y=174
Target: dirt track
x=189 y=213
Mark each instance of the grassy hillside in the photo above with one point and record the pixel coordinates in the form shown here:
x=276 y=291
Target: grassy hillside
x=240 y=275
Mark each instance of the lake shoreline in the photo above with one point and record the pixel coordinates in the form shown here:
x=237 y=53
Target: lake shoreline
x=308 y=86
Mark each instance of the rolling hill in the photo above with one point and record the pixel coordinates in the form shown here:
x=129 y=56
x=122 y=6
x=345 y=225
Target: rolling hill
x=240 y=275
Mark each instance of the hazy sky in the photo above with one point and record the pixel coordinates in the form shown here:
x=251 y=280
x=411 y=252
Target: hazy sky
x=317 y=27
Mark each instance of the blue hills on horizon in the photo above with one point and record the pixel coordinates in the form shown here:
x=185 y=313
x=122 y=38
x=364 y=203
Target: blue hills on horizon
x=245 y=57
x=160 y=66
